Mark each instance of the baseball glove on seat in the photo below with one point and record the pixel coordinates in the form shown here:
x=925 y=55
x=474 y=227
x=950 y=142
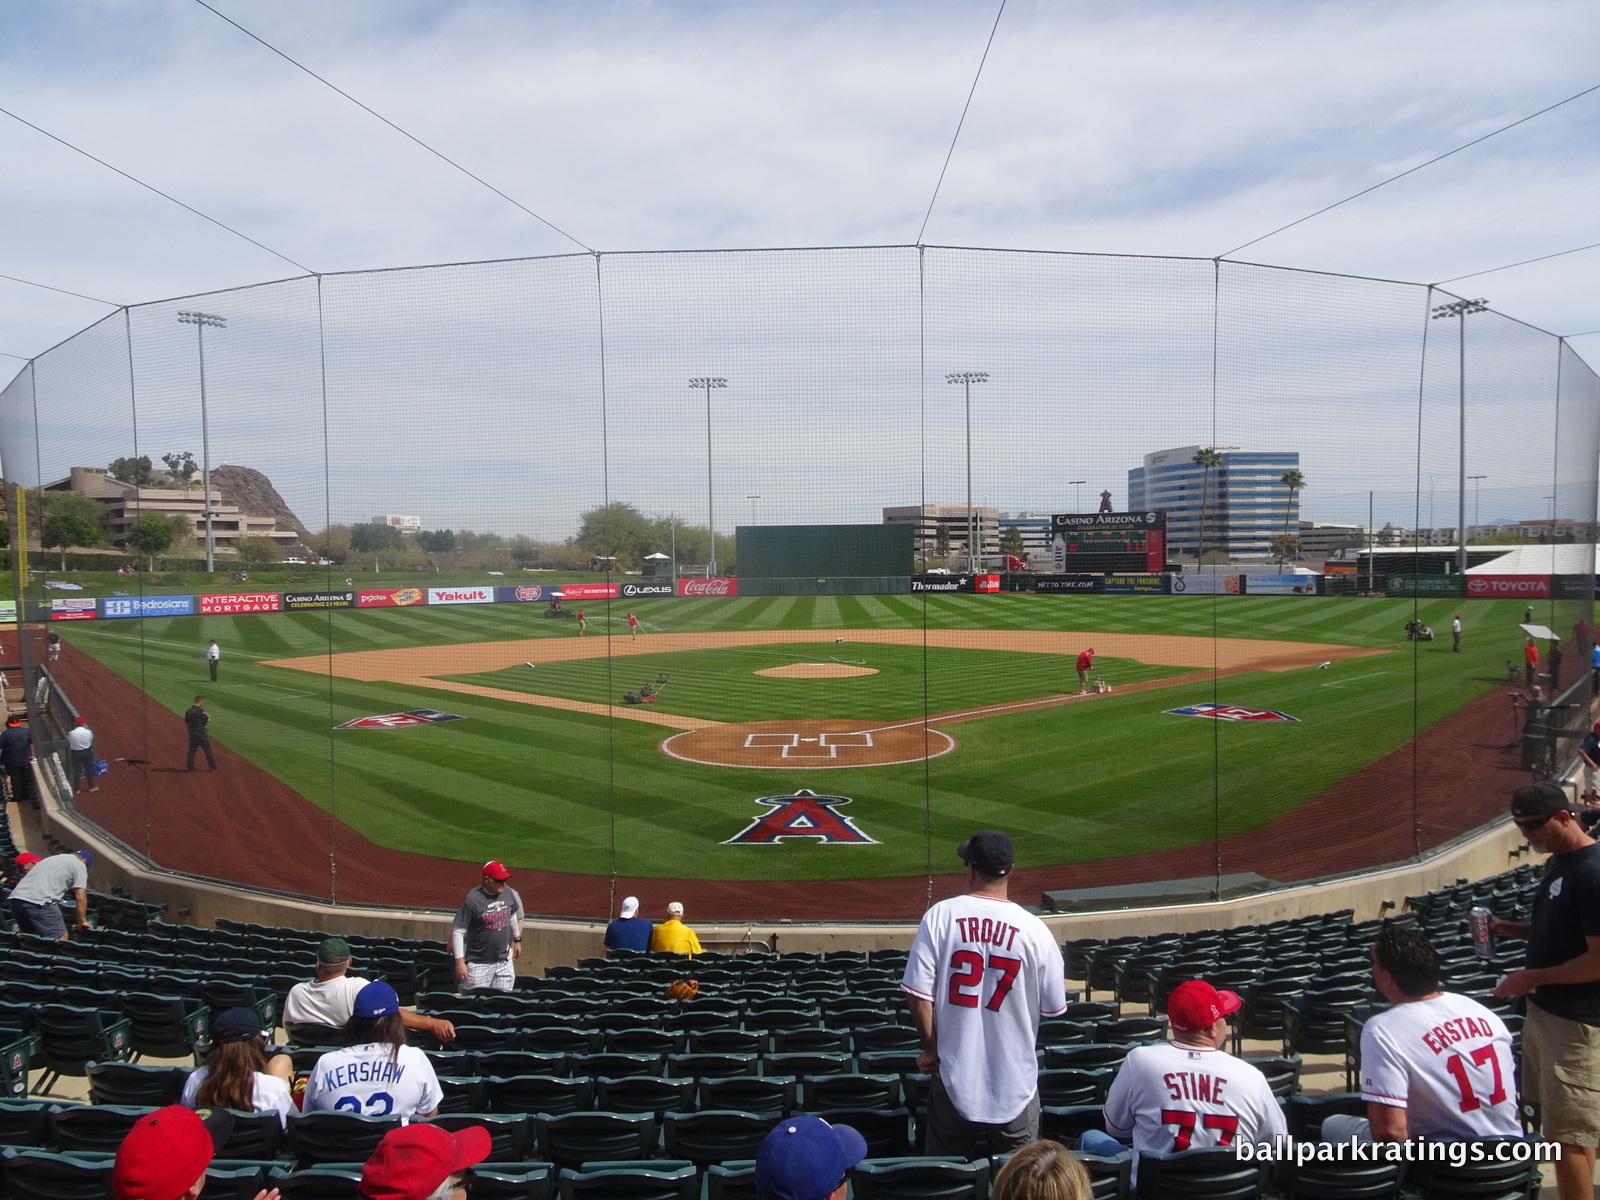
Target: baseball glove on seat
x=683 y=989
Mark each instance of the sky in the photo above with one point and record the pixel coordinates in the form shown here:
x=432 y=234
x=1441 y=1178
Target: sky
x=1161 y=129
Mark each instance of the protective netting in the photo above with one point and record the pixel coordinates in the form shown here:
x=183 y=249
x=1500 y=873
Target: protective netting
x=543 y=412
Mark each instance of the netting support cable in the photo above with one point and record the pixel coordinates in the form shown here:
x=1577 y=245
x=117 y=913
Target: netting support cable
x=1521 y=263
x=411 y=137
x=62 y=291
x=152 y=188
x=1413 y=170
x=977 y=75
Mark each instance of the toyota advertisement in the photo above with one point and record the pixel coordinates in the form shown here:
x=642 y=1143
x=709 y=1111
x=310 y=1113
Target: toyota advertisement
x=1512 y=587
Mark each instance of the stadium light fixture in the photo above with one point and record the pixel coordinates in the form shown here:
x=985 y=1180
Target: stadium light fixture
x=752 y=500
x=1477 y=499
x=707 y=382
x=200 y=320
x=1077 y=497
x=966 y=379
x=1461 y=309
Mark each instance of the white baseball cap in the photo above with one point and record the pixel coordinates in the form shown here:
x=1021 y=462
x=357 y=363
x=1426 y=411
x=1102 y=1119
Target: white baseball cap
x=674 y=909
x=630 y=906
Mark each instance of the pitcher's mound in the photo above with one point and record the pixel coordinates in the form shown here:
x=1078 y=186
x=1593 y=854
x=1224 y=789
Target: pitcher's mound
x=828 y=670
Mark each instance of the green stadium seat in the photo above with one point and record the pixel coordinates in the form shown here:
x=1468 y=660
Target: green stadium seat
x=539 y=1094
x=749 y=1093
x=510 y=1133
x=714 y=1135
x=636 y=1094
x=648 y=1180
x=920 y=1179
x=574 y=1139
x=130 y=1083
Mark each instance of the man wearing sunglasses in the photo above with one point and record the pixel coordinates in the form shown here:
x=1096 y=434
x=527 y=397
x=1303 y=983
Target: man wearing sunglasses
x=1561 y=1035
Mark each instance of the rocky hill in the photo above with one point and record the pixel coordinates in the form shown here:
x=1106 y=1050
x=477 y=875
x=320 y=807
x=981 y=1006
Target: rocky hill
x=253 y=494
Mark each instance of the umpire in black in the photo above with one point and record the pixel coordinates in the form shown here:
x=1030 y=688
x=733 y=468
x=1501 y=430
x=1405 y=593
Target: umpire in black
x=197 y=718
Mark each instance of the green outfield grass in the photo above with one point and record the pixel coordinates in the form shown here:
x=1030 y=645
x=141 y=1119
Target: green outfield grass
x=542 y=787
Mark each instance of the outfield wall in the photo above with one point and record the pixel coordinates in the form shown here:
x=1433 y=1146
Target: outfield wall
x=647 y=404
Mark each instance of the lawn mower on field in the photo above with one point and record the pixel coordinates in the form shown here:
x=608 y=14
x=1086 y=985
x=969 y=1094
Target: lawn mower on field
x=647 y=694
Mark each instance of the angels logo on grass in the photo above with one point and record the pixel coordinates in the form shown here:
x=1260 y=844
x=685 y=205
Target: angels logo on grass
x=802 y=815
x=1230 y=712
x=401 y=720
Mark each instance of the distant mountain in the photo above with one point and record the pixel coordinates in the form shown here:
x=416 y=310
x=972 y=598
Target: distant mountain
x=253 y=494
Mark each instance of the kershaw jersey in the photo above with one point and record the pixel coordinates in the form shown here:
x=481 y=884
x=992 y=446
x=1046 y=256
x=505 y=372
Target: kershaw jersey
x=1175 y=1097
x=992 y=970
x=369 y=1081
x=1447 y=1062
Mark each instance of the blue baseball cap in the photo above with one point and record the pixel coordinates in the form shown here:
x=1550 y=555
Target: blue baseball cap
x=377 y=999
x=88 y=859
x=805 y=1158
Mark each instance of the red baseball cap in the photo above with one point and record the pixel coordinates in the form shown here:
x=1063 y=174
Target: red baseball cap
x=496 y=870
x=163 y=1156
x=27 y=860
x=412 y=1161
x=1196 y=1006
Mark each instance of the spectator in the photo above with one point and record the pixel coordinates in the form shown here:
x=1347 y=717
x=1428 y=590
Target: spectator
x=166 y=1153
x=487 y=933
x=16 y=756
x=330 y=998
x=237 y=1073
x=629 y=931
x=982 y=971
x=1042 y=1171
x=1561 y=1033
x=1188 y=1093
x=80 y=742
x=424 y=1162
x=36 y=900
x=1589 y=757
x=376 y=1074
x=673 y=936
x=1436 y=1065
x=805 y=1158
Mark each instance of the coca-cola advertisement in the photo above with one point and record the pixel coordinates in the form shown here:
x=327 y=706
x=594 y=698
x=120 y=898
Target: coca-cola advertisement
x=708 y=587
x=586 y=591
x=1516 y=587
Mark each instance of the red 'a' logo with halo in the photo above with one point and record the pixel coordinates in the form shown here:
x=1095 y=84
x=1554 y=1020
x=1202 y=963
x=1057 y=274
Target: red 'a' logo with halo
x=802 y=815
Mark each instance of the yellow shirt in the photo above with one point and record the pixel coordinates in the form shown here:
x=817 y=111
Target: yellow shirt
x=674 y=935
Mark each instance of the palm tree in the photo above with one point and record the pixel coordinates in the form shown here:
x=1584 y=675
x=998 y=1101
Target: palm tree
x=1208 y=458
x=1294 y=481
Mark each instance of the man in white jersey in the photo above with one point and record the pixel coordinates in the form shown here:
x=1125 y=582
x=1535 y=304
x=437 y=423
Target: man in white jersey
x=982 y=972
x=377 y=1074
x=1436 y=1065
x=1188 y=1093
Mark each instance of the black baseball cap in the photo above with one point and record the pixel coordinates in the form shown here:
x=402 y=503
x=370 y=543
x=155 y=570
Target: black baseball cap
x=990 y=851
x=1541 y=800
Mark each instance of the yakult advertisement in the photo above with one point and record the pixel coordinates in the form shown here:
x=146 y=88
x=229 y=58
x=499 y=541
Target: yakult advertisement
x=461 y=595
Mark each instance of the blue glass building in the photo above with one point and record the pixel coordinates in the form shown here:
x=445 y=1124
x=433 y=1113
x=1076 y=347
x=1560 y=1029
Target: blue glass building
x=1246 y=504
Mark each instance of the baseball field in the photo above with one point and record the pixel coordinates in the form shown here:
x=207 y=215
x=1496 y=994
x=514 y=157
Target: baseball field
x=932 y=715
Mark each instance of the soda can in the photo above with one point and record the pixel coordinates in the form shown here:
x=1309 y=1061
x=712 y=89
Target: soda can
x=1482 y=941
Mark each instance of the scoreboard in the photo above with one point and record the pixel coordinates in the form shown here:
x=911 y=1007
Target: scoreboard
x=1108 y=543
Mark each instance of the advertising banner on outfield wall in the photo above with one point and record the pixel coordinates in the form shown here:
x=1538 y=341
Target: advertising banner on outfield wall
x=461 y=595
x=708 y=587
x=1280 y=585
x=1207 y=585
x=632 y=590
x=144 y=606
x=941 y=583
x=299 y=601
x=1571 y=587
x=986 y=583
x=1123 y=585
x=1509 y=587
x=8 y=610
x=1049 y=584
x=1424 y=585
x=391 y=598
x=81 y=609
x=525 y=593
x=239 y=602
x=587 y=591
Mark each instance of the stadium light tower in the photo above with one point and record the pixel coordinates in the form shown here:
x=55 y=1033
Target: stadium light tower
x=1077 y=497
x=200 y=320
x=1477 y=499
x=708 y=382
x=966 y=379
x=1461 y=309
x=752 y=500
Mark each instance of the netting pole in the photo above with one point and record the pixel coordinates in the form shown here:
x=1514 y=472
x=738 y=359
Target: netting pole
x=605 y=486
x=1416 y=598
x=327 y=510
x=922 y=505
x=144 y=714
x=1199 y=552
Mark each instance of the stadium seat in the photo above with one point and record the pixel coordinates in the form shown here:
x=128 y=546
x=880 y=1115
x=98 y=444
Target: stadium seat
x=71 y=1038
x=615 y=1065
x=484 y=1039
x=812 y=1040
x=521 y=1062
x=223 y=993
x=1071 y=1085
x=572 y=1139
x=714 y=1135
x=1087 y=1058
x=16 y=1056
x=25 y=1122
x=335 y=1182
x=1283 y=1074
x=849 y=1090
x=1066 y=1122
x=256 y=1136
x=643 y=1040
x=748 y=1093
x=336 y=1137
x=887 y=1131
x=303 y=1034
x=511 y=1181
x=462 y=1093
x=733 y=1180
x=511 y=1133
x=164 y=1026
x=649 y=1180
x=128 y=1083
x=538 y=1094
x=727 y=1041
x=1109 y=1178
x=234 y=1180
x=801 y=1063
x=1212 y=1174
x=700 y=1066
x=1305 y=1114
x=1338 y=1180
x=39 y=1175
x=919 y=1179
x=1137 y=1031
x=1445 y=1181
x=635 y=1094
x=95 y=1128
x=566 y=1039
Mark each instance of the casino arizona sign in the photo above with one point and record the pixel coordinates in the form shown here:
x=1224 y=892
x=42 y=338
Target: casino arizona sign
x=802 y=815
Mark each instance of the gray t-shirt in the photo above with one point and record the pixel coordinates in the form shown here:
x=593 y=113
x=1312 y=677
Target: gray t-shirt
x=51 y=879
x=489 y=923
